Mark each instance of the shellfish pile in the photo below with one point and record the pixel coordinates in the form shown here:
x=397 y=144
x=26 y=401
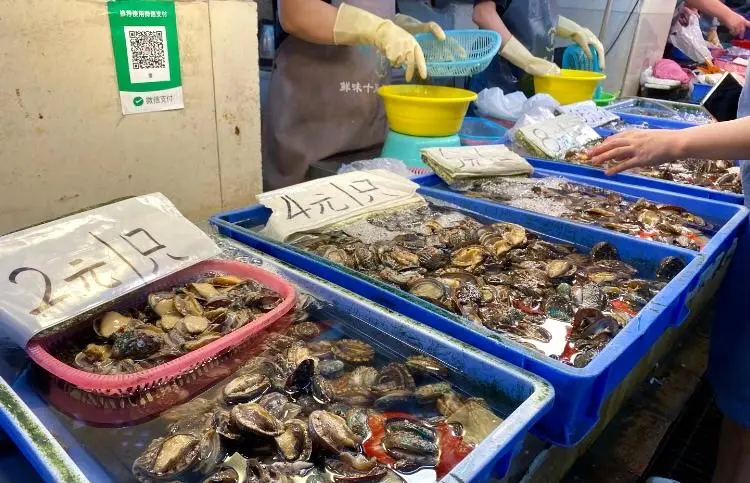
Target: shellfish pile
x=319 y=405
x=501 y=276
x=170 y=324
x=592 y=205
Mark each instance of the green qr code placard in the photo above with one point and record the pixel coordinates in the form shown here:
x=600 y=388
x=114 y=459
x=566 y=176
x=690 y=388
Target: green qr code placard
x=146 y=55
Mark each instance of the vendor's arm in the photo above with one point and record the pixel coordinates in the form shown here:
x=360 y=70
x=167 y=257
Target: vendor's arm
x=317 y=22
x=486 y=17
x=646 y=147
x=733 y=21
x=309 y=20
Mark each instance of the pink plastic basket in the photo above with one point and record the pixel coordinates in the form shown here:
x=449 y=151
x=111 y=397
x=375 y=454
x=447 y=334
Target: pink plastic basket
x=129 y=384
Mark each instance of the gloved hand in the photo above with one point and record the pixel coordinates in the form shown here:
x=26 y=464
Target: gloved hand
x=414 y=26
x=356 y=26
x=584 y=37
x=519 y=56
x=454 y=50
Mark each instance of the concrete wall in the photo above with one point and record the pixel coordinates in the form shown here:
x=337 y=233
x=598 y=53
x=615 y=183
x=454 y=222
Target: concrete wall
x=641 y=43
x=64 y=144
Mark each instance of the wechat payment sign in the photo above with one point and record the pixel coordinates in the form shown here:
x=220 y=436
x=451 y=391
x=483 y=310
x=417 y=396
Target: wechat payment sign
x=147 y=57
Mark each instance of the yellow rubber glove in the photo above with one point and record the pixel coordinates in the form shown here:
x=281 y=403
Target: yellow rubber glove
x=584 y=37
x=520 y=56
x=356 y=26
x=414 y=26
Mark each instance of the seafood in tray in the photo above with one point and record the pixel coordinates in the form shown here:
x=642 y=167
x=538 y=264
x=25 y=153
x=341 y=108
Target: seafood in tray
x=315 y=399
x=165 y=330
x=721 y=175
x=589 y=204
x=171 y=323
x=548 y=296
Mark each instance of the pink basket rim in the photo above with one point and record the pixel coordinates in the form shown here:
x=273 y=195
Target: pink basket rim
x=127 y=383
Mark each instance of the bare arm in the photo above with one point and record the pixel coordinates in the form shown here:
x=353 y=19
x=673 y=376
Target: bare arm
x=486 y=17
x=712 y=7
x=721 y=140
x=733 y=21
x=309 y=20
x=652 y=147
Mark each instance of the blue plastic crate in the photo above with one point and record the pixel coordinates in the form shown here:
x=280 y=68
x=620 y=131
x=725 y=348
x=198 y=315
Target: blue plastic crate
x=580 y=392
x=661 y=123
x=520 y=397
x=565 y=168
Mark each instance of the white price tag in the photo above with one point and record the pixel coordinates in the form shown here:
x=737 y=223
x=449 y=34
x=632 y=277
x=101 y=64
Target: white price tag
x=476 y=161
x=591 y=114
x=555 y=137
x=323 y=202
x=57 y=270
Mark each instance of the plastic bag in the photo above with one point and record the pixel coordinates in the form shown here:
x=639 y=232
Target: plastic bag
x=689 y=39
x=538 y=108
x=395 y=166
x=493 y=102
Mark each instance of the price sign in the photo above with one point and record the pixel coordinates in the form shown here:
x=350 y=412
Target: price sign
x=555 y=137
x=57 y=270
x=591 y=114
x=475 y=161
x=323 y=202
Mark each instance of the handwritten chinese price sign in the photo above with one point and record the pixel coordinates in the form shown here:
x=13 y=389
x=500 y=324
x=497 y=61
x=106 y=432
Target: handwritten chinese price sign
x=475 y=161
x=55 y=271
x=591 y=114
x=555 y=137
x=323 y=202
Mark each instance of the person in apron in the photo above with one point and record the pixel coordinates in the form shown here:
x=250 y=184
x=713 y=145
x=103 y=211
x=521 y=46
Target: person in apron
x=528 y=29
x=729 y=355
x=322 y=97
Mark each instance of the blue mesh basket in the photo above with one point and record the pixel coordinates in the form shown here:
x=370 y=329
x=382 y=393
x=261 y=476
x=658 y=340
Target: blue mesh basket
x=463 y=53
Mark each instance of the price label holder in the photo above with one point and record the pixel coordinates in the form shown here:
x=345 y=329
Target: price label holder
x=592 y=115
x=556 y=137
x=318 y=204
x=469 y=162
x=55 y=271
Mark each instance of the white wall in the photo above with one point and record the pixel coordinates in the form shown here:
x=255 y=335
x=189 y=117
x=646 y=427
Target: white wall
x=64 y=144
x=641 y=43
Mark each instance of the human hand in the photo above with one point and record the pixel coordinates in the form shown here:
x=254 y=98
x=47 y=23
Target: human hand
x=584 y=37
x=736 y=24
x=538 y=67
x=414 y=26
x=401 y=48
x=637 y=148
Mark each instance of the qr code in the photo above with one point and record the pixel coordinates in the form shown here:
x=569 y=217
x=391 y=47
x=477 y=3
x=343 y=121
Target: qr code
x=147 y=47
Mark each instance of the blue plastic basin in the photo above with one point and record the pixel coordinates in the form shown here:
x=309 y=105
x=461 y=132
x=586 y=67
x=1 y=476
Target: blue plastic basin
x=580 y=392
x=518 y=396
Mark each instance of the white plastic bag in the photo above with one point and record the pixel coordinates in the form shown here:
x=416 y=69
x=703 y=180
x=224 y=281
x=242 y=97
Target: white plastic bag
x=493 y=102
x=689 y=39
x=395 y=166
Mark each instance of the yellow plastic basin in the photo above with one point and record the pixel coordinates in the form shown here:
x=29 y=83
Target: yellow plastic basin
x=428 y=111
x=569 y=86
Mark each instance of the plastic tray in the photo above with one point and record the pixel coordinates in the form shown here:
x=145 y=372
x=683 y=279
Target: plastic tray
x=727 y=218
x=580 y=391
x=636 y=180
x=128 y=384
x=617 y=107
x=525 y=396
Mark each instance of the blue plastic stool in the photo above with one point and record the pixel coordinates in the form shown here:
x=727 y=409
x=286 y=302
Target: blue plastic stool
x=406 y=148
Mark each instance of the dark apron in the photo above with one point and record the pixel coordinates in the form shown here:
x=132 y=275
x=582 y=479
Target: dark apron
x=322 y=101
x=533 y=23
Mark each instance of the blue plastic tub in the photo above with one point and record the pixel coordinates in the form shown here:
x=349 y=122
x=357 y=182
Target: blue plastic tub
x=518 y=396
x=580 y=392
x=620 y=108
x=636 y=180
x=477 y=131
